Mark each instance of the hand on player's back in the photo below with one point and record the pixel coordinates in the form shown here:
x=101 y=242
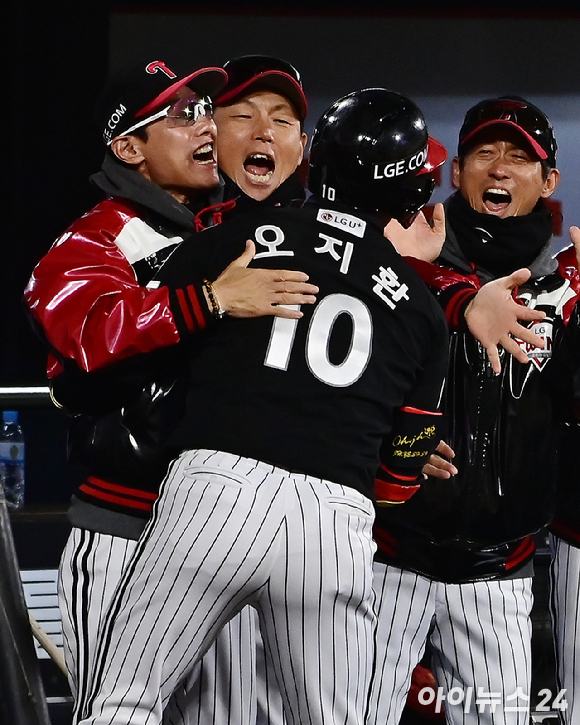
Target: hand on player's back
x=420 y=240
x=250 y=292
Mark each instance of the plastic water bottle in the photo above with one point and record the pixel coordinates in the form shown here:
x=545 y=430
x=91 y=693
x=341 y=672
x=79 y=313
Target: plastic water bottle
x=12 y=459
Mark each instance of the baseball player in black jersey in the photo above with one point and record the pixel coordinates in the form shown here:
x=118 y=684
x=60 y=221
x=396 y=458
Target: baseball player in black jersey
x=260 y=117
x=285 y=430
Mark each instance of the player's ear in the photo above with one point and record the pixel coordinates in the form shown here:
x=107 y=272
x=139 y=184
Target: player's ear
x=550 y=184
x=301 y=149
x=128 y=149
x=455 y=172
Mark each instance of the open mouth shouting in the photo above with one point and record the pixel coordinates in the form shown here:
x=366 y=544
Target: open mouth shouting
x=259 y=167
x=205 y=154
x=495 y=201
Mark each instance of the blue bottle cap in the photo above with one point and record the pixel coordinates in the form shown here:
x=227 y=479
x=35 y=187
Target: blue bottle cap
x=10 y=416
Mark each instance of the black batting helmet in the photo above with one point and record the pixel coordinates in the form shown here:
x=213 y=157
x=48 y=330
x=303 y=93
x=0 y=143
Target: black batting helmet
x=371 y=150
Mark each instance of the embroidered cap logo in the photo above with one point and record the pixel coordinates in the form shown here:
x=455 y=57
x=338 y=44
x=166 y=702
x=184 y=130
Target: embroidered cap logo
x=158 y=65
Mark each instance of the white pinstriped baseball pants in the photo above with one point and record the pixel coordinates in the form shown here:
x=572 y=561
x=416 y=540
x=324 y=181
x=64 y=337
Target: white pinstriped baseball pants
x=565 y=614
x=231 y=683
x=226 y=532
x=479 y=636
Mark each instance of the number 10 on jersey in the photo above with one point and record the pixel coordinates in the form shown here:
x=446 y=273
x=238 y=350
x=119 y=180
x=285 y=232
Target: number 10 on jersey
x=326 y=312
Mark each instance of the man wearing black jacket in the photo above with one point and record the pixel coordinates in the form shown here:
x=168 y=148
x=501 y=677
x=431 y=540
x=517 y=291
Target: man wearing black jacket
x=455 y=564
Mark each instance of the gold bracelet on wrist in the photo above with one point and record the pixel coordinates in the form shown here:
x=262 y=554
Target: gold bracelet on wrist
x=216 y=308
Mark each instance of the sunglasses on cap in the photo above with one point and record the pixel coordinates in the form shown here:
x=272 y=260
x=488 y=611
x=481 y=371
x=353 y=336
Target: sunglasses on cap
x=183 y=112
x=243 y=69
x=529 y=120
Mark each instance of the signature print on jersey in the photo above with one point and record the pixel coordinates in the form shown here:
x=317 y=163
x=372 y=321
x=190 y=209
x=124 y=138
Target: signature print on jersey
x=403 y=444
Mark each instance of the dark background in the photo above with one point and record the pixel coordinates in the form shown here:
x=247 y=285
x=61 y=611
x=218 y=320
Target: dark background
x=60 y=53
x=57 y=56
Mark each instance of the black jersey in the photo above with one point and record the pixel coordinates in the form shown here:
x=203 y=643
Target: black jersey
x=320 y=394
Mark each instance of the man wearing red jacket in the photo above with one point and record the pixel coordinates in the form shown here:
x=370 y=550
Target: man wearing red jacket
x=93 y=300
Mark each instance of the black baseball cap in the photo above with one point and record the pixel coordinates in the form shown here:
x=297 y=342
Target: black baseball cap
x=513 y=111
x=132 y=96
x=263 y=71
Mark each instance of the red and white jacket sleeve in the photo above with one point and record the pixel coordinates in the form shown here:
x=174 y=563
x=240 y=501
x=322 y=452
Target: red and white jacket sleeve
x=85 y=298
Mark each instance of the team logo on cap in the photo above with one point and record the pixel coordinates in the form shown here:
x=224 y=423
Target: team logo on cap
x=159 y=65
x=116 y=117
x=399 y=168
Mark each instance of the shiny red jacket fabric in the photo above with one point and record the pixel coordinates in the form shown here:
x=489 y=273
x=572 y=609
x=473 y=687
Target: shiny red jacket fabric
x=113 y=341
x=566 y=522
x=85 y=296
x=92 y=298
